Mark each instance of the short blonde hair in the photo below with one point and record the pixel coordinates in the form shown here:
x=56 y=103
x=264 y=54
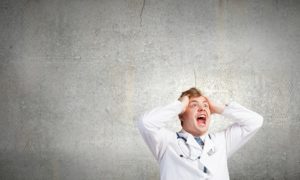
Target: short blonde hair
x=192 y=92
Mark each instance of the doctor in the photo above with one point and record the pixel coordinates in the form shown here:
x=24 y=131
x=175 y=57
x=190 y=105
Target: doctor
x=193 y=153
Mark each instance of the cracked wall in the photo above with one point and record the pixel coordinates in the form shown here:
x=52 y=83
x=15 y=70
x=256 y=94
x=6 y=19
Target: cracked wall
x=76 y=75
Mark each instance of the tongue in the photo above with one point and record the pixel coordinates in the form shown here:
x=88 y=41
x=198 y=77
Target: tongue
x=201 y=122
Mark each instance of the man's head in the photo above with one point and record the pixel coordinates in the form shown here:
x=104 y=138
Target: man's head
x=196 y=118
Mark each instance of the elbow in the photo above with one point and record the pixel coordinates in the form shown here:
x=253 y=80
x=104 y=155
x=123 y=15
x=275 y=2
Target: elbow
x=147 y=123
x=141 y=123
x=144 y=123
x=259 y=121
x=256 y=123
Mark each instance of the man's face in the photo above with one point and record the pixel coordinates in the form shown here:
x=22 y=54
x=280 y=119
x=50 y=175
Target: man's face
x=196 y=117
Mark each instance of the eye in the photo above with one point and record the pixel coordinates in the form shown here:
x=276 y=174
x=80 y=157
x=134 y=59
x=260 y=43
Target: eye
x=205 y=105
x=193 y=105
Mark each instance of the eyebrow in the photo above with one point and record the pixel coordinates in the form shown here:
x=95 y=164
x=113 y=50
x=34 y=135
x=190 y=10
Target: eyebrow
x=198 y=102
x=194 y=101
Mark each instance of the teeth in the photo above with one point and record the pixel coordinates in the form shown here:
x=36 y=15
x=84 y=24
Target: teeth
x=199 y=118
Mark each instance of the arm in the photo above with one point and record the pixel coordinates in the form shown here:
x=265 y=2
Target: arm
x=151 y=126
x=246 y=124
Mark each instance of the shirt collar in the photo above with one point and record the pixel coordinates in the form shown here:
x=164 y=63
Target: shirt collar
x=203 y=137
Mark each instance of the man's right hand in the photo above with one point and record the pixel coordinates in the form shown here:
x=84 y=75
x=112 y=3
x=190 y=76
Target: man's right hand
x=185 y=101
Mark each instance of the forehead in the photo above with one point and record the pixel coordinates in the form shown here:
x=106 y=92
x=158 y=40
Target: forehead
x=200 y=99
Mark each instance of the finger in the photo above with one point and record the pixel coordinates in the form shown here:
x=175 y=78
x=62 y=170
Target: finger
x=208 y=100
x=211 y=105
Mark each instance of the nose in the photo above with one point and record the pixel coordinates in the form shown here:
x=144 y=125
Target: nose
x=200 y=107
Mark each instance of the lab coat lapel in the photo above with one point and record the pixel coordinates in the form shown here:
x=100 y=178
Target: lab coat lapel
x=190 y=140
x=208 y=150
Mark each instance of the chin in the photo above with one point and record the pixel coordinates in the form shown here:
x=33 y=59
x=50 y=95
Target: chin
x=201 y=129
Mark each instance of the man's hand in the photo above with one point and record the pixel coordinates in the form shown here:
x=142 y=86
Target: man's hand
x=185 y=101
x=215 y=108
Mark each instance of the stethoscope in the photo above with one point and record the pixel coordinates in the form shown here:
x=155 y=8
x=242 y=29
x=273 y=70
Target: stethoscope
x=186 y=151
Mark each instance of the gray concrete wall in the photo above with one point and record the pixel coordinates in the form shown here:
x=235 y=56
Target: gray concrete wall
x=75 y=75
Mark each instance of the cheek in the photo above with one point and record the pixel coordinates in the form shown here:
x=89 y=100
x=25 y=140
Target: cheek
x=188 y=115
x=208 y=112
x=184 y=116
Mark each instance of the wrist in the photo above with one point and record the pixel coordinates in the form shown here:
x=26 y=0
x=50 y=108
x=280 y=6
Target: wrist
x=221 y=108
x=184 y=102
x=184 y=105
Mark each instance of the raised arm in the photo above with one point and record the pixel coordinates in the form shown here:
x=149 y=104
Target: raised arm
x=152 y=126
x=246 y=124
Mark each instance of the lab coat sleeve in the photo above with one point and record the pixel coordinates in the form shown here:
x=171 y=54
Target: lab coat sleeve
x=246 y=125
x=152 y=127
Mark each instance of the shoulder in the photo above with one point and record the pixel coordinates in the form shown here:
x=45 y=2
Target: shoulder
x=218 y=138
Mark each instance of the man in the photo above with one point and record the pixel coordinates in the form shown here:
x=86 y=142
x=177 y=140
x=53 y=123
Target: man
x=193 y=153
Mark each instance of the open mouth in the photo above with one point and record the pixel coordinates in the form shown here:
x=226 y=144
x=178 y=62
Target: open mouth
x=201 y=120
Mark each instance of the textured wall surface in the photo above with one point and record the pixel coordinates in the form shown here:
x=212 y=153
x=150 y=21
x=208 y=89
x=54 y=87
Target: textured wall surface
x=76 y=75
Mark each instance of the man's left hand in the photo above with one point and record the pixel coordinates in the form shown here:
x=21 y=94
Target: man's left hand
x=215 y=108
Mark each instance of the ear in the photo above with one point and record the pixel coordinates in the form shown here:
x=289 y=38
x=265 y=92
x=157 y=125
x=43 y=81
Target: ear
x=181 y=120
x=180 y=116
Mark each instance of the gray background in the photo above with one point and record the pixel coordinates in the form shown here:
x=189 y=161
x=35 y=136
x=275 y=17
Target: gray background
x=76 y=75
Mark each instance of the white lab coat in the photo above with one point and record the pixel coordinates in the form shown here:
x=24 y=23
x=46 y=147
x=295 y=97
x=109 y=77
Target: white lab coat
x=164 y=144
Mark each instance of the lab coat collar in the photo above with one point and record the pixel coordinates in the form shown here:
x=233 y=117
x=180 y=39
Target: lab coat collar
x=190 y=139
x=208 y=149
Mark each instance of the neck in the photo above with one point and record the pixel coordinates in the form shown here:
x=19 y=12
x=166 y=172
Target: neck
x=195 y=134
